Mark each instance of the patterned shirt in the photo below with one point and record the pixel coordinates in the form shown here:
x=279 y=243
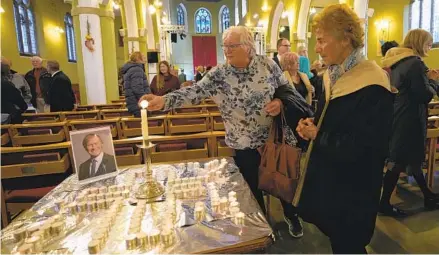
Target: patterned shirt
x=241 y=95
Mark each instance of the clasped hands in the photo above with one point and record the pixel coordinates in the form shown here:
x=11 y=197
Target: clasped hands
x=306 y=129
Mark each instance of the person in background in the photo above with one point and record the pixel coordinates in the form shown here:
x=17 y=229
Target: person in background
x=245 y=91
x=350 y=135
x=302 y=51
x=164 y=82
x=12 y=102
x=283 y=46
x=416 y=87
x=135 y=82
x=200 y=73
x=182 y=76
x=39 y=81
x=61 y=96
x=318 y=68
x=304 y=63
x=208 y=68
x=19 y=82
x=290 y=65
x=386 y=47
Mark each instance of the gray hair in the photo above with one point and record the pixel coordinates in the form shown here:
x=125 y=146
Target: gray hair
x=37 y=59
x=246 y=38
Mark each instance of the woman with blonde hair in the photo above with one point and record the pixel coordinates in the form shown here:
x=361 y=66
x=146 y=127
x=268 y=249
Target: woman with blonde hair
x=290 y=66
x=164 y=82
x=349 y=135
x=416 y=87
x=135 y=81
x=200 y=73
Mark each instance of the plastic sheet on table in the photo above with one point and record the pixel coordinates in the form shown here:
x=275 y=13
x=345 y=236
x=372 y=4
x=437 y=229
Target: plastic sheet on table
x=214 y=231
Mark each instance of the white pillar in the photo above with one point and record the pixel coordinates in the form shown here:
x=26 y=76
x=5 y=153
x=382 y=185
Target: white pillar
x=132 y=27
x=302 y=25
x=93 y=60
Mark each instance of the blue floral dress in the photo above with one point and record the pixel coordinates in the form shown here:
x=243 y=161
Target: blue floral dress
x=241 y=95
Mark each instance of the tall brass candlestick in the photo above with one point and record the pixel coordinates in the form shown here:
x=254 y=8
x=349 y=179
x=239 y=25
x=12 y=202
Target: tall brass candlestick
x=150 y=188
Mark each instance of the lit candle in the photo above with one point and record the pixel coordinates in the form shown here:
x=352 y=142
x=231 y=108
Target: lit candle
x=144 y=105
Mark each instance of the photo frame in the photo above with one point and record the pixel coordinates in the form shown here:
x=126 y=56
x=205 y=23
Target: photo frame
x=93 y=154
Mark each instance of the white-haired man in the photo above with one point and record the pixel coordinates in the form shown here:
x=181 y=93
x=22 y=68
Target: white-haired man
x=243 y=89
x=39 y=81
x=283 y=46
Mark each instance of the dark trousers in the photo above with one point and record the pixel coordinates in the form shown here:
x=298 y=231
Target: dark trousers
x=248 y=163
x=347 y=247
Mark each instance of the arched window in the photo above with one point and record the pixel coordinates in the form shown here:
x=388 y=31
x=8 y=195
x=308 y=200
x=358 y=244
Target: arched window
x=70 y=38
x=25 y=28
x=244 y=7
x=203 y=21
x=180 y=16
x=425 y=14
x=236 y=12
x=224 y=18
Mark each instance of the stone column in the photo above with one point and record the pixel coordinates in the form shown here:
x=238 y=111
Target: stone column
x=97 y=68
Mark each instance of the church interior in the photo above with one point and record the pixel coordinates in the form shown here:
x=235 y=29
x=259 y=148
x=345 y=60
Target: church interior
x=117 y=137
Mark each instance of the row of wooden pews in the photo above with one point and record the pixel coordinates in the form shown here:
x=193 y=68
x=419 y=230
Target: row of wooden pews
x=36 y=155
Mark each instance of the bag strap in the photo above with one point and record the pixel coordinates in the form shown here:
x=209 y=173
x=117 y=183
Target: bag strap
x=327 y=86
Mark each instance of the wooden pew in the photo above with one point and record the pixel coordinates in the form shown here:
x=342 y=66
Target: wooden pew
x=38 y=133
x=81 y=115
x=110 y=106
x=217 y=122
x=127 y=152
x=433 y=136
x=212 y=108
x=118 y=101
x=131 y=127
x=185 y=123
x=433 y=111
x=81 y=108
x=84 y=124
x=29 y=173
x=115 y=113
x=6 y=135
x=219 y=147
x=41 y=117
x=190 y=109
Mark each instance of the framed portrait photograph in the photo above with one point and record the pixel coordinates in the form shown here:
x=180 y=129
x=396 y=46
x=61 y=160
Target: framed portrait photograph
x=93 y=154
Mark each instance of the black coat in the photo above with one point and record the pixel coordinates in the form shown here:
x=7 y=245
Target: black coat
x=45 y=82
x=12 y=102
x=61 y=96
x=409 y=131
x=136 y=85
x=276 y=59
x=108 y=165
x=343 y=183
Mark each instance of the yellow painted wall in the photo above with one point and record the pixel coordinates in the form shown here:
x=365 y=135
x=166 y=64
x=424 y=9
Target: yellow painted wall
x=51 y=45
x=119 y=50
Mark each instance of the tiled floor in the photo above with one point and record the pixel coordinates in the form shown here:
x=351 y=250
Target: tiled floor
x=417 y=233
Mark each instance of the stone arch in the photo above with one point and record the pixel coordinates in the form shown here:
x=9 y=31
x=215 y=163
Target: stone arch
x=274 y=31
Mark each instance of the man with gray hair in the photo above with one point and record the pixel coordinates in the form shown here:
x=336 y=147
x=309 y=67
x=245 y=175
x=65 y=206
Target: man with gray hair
x=244 y=90
x=39 y=81
x=61 y=96
x=19 y=82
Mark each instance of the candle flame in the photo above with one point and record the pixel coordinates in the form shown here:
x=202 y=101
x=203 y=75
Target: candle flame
x=144 y=104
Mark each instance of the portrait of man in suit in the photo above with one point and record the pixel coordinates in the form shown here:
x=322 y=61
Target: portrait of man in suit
x=99 y=163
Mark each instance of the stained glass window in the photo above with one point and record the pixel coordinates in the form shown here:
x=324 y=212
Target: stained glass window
x=225 y=18
x=244 y=8
x=236 y=12
x=25 y=28
x=70 y=38
x=180 y=15
x=435 y=21
x=203 y=21
x=425 y=14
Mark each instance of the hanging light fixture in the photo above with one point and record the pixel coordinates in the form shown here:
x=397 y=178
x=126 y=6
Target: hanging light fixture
x=312 y=10
x=152 y=9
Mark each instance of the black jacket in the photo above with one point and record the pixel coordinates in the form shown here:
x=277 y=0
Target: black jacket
x=12 y=102
x=295 y=108
x=45 y=81
x=276 y=59
x=342 y=187
x=409 y=131
x=61 y=96
x=136 y=85
x=108 y=165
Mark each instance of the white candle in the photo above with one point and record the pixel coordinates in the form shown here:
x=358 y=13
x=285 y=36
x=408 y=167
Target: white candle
x=144 y=105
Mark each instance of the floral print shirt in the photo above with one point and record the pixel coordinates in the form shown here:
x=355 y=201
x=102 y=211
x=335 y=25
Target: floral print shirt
x=241 y=95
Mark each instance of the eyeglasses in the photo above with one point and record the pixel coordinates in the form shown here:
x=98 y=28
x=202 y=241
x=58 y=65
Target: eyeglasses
x=288 y=46
x=231 y=46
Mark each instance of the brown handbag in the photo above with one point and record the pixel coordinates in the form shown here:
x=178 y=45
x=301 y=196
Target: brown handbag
x=279 y=169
